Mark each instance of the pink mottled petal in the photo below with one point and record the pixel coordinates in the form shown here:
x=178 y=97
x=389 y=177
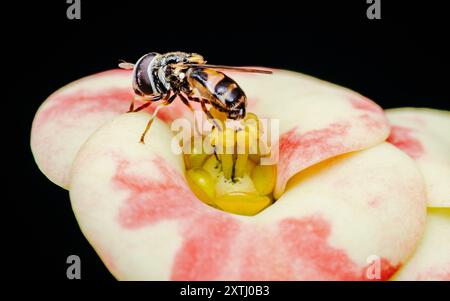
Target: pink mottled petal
x=71 y=114
x=318 y=120
x=424 y=135
x=369 y=208
x=134 y=206
x=65 y=120
x=431 y=260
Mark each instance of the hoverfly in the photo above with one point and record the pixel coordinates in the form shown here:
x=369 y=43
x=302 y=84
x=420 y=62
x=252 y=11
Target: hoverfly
x=186 y=75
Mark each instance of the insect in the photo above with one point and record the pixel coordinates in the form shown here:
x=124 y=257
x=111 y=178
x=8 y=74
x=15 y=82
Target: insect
x=163 y=77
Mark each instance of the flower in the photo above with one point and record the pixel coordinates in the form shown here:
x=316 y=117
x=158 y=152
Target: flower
x=350 y=205
x=423 y=135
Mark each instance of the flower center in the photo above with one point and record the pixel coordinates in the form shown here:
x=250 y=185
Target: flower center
x=233 y=177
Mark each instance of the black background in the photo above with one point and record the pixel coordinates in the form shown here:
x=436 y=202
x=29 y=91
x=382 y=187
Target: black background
x=400 y=60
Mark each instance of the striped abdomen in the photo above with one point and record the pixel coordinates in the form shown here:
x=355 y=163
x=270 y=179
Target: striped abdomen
x=220 y=90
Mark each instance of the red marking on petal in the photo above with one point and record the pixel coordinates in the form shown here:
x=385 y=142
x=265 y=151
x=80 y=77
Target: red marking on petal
x=309 y=252
x=387 y=270
x=298 y=151
x=402 y=138
x=263 y=257
x=220 y=248
x=375 y=202
x=206 y=248
x=164 y=195
x=206 y=235
x=84 y=102
x=372 y=123
x=215 y=245
x=364 y=104
x=173 y=111
x=312 y=257
x=81 y=102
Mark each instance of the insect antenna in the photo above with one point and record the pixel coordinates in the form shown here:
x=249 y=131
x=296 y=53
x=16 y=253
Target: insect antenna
x=126 y=65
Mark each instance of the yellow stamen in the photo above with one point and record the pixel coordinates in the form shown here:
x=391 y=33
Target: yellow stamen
x=196 y=160
x=254 y=157
x=264 y=178
x=227 y=165
x=196 y=157
x=213 y=167
x=232 y=179
x=249 y=168
x=225 y=186
x=241 y=165
x=202 y=185
x=243 y=203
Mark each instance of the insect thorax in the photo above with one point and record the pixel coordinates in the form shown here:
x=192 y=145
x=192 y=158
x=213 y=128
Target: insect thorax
x=166 y=75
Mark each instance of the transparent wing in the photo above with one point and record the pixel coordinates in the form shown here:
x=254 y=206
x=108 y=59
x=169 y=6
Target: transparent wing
x=240 y=69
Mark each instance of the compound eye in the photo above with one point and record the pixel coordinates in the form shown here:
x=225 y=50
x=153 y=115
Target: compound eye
x=141 y=80
x=148 y=56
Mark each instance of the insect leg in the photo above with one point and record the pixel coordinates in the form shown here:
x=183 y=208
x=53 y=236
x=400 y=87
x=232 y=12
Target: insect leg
x=210 y=116
x=208 y=113
x=186 y=102
x=148 y=102
x=131 y=106
x=193 y=98
x=149 y=124
x=203 y=103
x=168 y=100
x=215 y=124
x=142 y=107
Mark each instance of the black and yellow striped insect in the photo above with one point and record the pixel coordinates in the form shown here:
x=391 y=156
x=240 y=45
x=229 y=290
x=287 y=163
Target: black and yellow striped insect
x=186 y=75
